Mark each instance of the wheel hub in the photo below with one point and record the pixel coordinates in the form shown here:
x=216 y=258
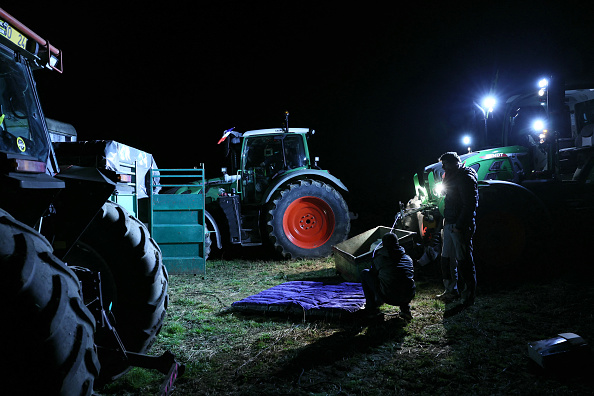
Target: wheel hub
x=308 y=222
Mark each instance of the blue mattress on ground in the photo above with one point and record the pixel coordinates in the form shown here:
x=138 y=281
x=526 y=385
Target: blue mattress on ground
x=306 y=298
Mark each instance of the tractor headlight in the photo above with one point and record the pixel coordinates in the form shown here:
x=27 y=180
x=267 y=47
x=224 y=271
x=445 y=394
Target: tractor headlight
x=439 y=189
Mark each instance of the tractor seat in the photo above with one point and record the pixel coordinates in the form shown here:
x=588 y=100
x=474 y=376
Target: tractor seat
x=584 y=138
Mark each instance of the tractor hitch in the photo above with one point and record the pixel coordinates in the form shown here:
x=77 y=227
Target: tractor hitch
x=109 y=343
x=165 y=364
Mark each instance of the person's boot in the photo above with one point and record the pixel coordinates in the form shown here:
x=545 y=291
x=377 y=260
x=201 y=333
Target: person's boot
x=450 y=293
x=467 y=298
x=405 y=312
x=450 y=280
x=468 y=274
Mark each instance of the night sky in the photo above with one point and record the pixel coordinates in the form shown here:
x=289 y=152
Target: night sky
x=387 y=89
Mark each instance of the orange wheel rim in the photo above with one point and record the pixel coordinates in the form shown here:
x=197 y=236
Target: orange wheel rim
x=309 y=222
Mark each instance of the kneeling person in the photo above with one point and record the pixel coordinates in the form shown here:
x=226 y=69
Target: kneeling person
x=390 y=279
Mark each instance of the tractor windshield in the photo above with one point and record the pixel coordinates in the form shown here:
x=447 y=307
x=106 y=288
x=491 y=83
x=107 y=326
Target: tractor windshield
x=523 y=131
x=21 y=128
x=274 y=153
x=268 y=156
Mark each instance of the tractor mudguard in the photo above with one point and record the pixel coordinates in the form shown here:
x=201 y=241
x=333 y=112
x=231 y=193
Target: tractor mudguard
x=301 y=174
x=27 y=196
x=86 y=191
x=502 y=184
x=210 y=218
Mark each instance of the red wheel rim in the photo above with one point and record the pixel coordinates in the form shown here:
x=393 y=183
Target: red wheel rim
x=309 y=222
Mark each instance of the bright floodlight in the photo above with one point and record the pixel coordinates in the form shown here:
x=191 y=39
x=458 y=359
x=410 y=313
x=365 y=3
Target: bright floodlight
x=466 y=140
x=489 y=103
x=543 y=83
x=439 y=189
x=538 y=125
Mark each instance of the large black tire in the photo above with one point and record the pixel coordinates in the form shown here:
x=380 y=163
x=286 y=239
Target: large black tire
x=306 y=218
x=512 y=232
x=47 y=332
x=133 y=276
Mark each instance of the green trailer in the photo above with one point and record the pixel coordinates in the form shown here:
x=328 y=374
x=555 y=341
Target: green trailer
x=176 y=221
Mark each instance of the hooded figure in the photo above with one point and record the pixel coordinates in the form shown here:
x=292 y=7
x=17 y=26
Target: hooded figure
x=460 y=204
x=390 y=279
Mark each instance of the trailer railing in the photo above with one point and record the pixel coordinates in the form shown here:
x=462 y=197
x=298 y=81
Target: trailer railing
x=177 y=221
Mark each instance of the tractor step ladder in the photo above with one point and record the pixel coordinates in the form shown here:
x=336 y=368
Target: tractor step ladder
x=177 y=220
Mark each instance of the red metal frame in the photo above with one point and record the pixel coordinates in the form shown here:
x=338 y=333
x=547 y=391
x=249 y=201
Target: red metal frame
x=34 y=36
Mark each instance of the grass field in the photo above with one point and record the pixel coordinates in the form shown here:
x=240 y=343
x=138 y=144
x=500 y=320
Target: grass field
x=479 y=351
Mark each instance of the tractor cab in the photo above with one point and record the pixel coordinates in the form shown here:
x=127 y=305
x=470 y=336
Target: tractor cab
x=267 y=154
x=27 y=161
x=258 y=158
x=21 y=125
x=552 y=126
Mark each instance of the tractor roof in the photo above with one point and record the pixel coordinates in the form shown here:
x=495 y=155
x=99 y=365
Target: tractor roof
x=274 y=131
x=20 y=38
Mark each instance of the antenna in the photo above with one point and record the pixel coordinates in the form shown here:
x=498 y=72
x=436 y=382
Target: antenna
x=286 y=121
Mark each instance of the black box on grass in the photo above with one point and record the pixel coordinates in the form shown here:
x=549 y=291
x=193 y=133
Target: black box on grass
x=565 y=351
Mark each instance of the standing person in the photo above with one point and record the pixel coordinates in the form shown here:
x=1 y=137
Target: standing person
x=390 y=280
x=461 y=201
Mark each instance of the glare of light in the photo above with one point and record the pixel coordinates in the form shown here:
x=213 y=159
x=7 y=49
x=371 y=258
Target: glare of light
x=488 y=103
x=466 y=140
x=541 y=92
x=543 y=83
x=538 y=125
x=439 y=189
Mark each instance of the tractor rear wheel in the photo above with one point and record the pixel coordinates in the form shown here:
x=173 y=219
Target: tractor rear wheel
x=306 y=218
x=512 y=232
x=48 y=332
x=134 y=281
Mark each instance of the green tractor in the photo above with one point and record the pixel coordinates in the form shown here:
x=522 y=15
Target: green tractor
x=538 y=182
x=84 y=285
x=274 y=194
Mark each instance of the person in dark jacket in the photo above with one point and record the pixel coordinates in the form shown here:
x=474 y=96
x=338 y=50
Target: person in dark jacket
x=390 y=279
x=461 y=201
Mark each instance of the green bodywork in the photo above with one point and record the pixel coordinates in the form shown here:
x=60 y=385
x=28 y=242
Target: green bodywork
x=511 y=163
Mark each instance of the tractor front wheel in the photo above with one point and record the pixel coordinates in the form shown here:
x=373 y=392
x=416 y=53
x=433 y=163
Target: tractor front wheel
x=47 y=332
x=134 y=281
x=306 y=219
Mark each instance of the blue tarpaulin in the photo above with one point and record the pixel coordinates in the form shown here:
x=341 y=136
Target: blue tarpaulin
x=307 y=298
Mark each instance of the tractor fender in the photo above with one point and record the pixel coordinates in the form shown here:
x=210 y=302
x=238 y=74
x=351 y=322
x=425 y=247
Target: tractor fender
x=502 y=184
x=516 y=191
x=215 y=227
x=303 y=174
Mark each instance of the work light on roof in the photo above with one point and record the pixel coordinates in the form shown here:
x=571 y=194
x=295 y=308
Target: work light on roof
x=538 y=125
x=489 y=103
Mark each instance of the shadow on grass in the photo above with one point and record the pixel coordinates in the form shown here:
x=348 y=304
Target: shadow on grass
x=344 y=344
